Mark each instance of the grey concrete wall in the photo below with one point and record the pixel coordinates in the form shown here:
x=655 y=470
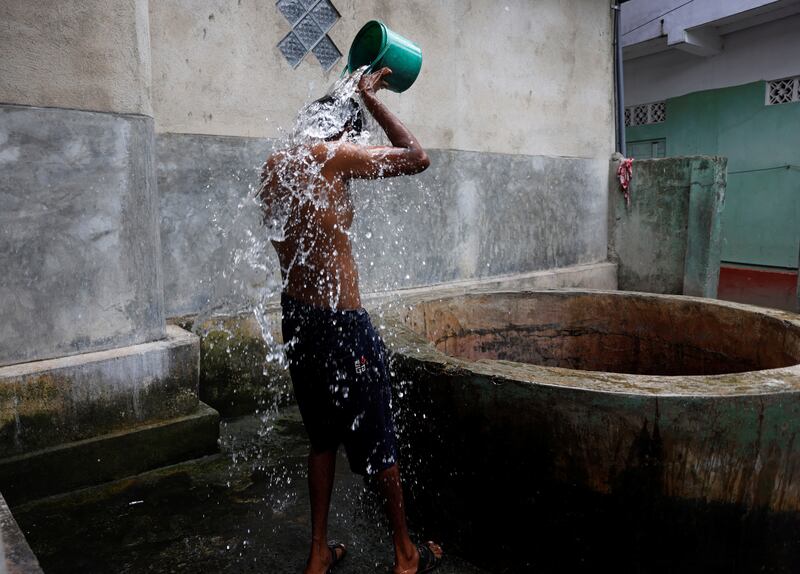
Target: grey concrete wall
x=477 y=215
x=532 y=80
x=201 y=180
x=82 y=54
x=514 y=100
x=668 y=239
x=470 y=215
x=79 y=231
x=520 y=77
x=84 y=348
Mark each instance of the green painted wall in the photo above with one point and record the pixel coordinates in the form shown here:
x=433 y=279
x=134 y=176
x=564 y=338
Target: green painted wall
x=761 y=218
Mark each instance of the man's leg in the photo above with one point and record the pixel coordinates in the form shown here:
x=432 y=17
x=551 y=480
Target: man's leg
x=406 y=556
x=321 y=469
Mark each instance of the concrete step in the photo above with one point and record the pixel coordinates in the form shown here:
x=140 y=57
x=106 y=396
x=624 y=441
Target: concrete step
x=48 y=403
x=77 y=464
x=16 y=556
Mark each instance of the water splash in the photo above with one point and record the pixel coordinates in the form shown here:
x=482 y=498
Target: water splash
x=329 y=115
x=250 y=278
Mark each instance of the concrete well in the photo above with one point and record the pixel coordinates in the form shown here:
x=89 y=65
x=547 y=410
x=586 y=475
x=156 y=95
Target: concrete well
x=555 y=411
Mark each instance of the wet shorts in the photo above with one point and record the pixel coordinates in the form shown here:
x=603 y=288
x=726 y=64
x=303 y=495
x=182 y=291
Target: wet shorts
x=339 y=372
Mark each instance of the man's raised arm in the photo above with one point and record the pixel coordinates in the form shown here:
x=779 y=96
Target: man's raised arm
x=405 y=157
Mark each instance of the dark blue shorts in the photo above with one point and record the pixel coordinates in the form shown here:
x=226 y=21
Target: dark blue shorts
x=340 y=376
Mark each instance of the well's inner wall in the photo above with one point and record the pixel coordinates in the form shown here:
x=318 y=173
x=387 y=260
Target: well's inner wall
x=620 y=333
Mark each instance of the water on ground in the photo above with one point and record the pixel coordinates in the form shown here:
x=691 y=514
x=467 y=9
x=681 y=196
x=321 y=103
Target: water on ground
x=244 y=510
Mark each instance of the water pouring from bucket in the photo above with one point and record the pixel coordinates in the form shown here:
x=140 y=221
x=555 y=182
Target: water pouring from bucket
x=377 y=46
x=337 y=362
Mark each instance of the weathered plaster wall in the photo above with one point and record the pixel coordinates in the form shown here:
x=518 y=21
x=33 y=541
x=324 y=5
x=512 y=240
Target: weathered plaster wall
x=477 y=215
x=526 y=85
x=514 y=104
x=79 y=225
x=470 y=215
x=668 y=239
x=201 y=180
x=82 y=54
x=513 y=77
x=78 y=233
x=82 y=327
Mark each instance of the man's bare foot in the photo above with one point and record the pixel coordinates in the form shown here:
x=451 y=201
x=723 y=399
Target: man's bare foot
x=424 y=558
x=321 y=562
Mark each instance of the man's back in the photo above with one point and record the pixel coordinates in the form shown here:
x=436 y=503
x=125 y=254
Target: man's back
x=310 y=184
x=315 y=254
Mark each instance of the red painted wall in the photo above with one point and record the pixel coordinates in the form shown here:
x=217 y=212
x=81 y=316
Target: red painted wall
x=775 y=288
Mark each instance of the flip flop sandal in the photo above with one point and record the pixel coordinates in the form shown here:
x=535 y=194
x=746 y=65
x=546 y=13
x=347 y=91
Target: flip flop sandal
x=427 y=559
x=335 y=559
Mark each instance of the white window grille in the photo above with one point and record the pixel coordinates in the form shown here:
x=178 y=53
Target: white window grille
x=783 y=91
x=658 y=112
x=311 y=20
x=640 y=115
x=643 y=114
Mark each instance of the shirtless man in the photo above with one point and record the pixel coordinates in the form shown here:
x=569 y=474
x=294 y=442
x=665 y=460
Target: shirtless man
x=337 y=361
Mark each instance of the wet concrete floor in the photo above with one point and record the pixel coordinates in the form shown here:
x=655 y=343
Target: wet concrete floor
x=245 y=510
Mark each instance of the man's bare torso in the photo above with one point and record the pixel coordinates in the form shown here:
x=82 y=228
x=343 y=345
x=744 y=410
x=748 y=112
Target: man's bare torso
x=315 y=255
x=312 y=183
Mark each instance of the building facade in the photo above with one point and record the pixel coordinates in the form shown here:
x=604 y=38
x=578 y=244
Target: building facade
x=723 y=78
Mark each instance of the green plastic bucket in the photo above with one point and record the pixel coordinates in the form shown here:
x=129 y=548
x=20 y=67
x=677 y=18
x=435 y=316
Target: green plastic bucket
x=377 y=46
